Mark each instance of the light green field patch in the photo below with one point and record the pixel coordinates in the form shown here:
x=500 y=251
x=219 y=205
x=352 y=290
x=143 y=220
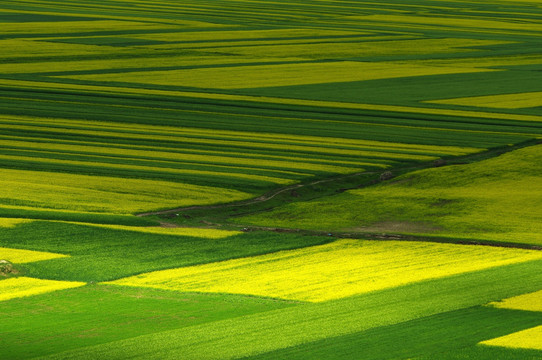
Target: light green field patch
x=48 y=190
x=454 y=22
x=177 y=231
x=504 y=101
x=526 y=339
x=14 y=48
x=528 y=302
x=19 y=256
x=486 y=61
x=242 y=77
x=24 y=286
x=149 y=62
x=325 y=272
x=10 y=223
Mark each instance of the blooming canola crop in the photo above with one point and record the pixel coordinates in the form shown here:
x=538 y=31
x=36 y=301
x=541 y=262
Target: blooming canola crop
x=336 y=270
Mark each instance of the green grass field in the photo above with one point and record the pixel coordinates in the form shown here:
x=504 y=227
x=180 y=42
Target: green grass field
x=202 y=179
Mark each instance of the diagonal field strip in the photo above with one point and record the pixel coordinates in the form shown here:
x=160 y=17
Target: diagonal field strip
x=526 y=339
x=331 y=271
x=20 y=256
x=527 y=302
x=289 y=327
x=24 y=286
x=34 y=85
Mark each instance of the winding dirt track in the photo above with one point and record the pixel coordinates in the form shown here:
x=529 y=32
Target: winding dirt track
x=260 y=199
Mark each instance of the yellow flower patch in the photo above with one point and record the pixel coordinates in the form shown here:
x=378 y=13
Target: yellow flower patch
x=526 y=339
x=23 y=286
x=9 y=222
x=19 y=256
x=339 y=269
x=529 y=302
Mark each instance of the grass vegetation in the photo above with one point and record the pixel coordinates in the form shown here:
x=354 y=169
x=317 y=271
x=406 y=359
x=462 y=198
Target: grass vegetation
x=457 y=201
x=278 y=119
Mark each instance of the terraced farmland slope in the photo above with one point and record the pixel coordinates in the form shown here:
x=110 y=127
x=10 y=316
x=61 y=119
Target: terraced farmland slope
x=112 y=108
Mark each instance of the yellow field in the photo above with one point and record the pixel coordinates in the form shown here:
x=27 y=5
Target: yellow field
x=526 y=339
x=25 y=48
x=179 y=231
x=242 y=77
x=23 y=286
x=19 y=256
x=489 y=61
x=9 y=222
x=339 y=269
x=40 y=189
x=505 y=101
x=528 y=302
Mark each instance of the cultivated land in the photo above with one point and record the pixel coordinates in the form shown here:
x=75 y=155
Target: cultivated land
x=250 y=138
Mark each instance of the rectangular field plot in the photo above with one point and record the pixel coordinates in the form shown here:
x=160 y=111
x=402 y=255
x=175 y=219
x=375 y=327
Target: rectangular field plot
x=528 y=302
x=23 y=286
x=20 y=256
x=526 y=339
x=332 y=271
x=505 y=101
x=242 y=77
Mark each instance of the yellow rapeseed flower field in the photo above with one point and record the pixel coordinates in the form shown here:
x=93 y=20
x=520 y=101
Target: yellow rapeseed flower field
x=339 y=269
x=24 y=286
x=526 y=339
x=19 y=256
x=528 y=302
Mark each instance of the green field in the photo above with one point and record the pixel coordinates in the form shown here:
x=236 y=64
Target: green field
x=270 y=179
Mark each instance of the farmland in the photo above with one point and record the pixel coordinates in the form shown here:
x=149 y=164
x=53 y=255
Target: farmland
x=270 y=179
